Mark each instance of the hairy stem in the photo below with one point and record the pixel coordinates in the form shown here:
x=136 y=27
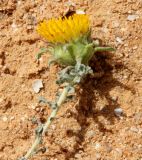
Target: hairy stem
x=100 y=49
x=47 y=124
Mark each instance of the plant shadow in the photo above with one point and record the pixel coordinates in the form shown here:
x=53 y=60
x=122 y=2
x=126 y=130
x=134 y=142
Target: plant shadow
x=103 y=82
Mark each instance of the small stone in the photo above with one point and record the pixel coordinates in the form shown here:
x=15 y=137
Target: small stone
x=80 y=12
x=37 y=109
x=134 y=129
x=78 y=156
x=114 y=98
x=19 y=2
x=37 y=85
x=129 y=11
x=97 y=146
x=132 y=17
x=125 y=77
x=14 y=27
x=119 y=40
x=12 y=118
x=32 y=107
x=4 y=118
x=125 y=45
x=29 y=27
x=135 y=47
x=118 y=111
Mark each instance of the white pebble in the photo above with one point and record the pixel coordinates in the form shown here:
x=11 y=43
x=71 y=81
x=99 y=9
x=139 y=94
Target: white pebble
x=135 y=47
x=12 y=118
x=37 y=85
x=118 y=111
x=14 y=26
x=4 y=118
x=132 y=17
x=134 y=129
x=119 y=40
x=97 y=146
x=80 y=12
x=19 y=2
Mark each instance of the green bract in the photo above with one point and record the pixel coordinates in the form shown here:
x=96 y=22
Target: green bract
x=80 y=50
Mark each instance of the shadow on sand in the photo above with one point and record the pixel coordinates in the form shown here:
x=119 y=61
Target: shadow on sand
x=103 y=65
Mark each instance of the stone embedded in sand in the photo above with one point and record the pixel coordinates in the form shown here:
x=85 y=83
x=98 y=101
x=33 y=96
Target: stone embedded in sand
x=80 y=11
x=4 y=118
x=132 y=17
x=37 y=85
x=118 y=112
x=119 y=40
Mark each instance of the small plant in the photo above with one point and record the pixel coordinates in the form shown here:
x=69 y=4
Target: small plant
x=72 y=48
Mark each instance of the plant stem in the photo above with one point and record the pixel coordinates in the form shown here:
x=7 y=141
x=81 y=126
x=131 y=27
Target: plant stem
x=100 y=49
x=54 y=112
x=47 y=124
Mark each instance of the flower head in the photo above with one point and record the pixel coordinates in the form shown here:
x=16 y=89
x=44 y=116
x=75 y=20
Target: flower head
x=64 y=30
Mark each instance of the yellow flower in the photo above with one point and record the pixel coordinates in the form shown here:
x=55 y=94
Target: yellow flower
x=64 y=30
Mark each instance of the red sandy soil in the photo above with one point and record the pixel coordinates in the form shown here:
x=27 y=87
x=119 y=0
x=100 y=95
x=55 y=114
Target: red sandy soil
x=88 y=130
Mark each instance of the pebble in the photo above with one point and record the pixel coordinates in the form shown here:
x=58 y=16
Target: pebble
x=119 y=40
x=78 y=156
x=4 y=118
x=132 y=17
x=134 y=129
x=32 y=107
x=80 y=12
x=135 y=47
x=37 y=109
x=12 y=118
x=118 y=111
x=37 y=85
x=14 y=26
x=19 y=3
x=114 y=98
x=97 y=146
x=29 y=27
